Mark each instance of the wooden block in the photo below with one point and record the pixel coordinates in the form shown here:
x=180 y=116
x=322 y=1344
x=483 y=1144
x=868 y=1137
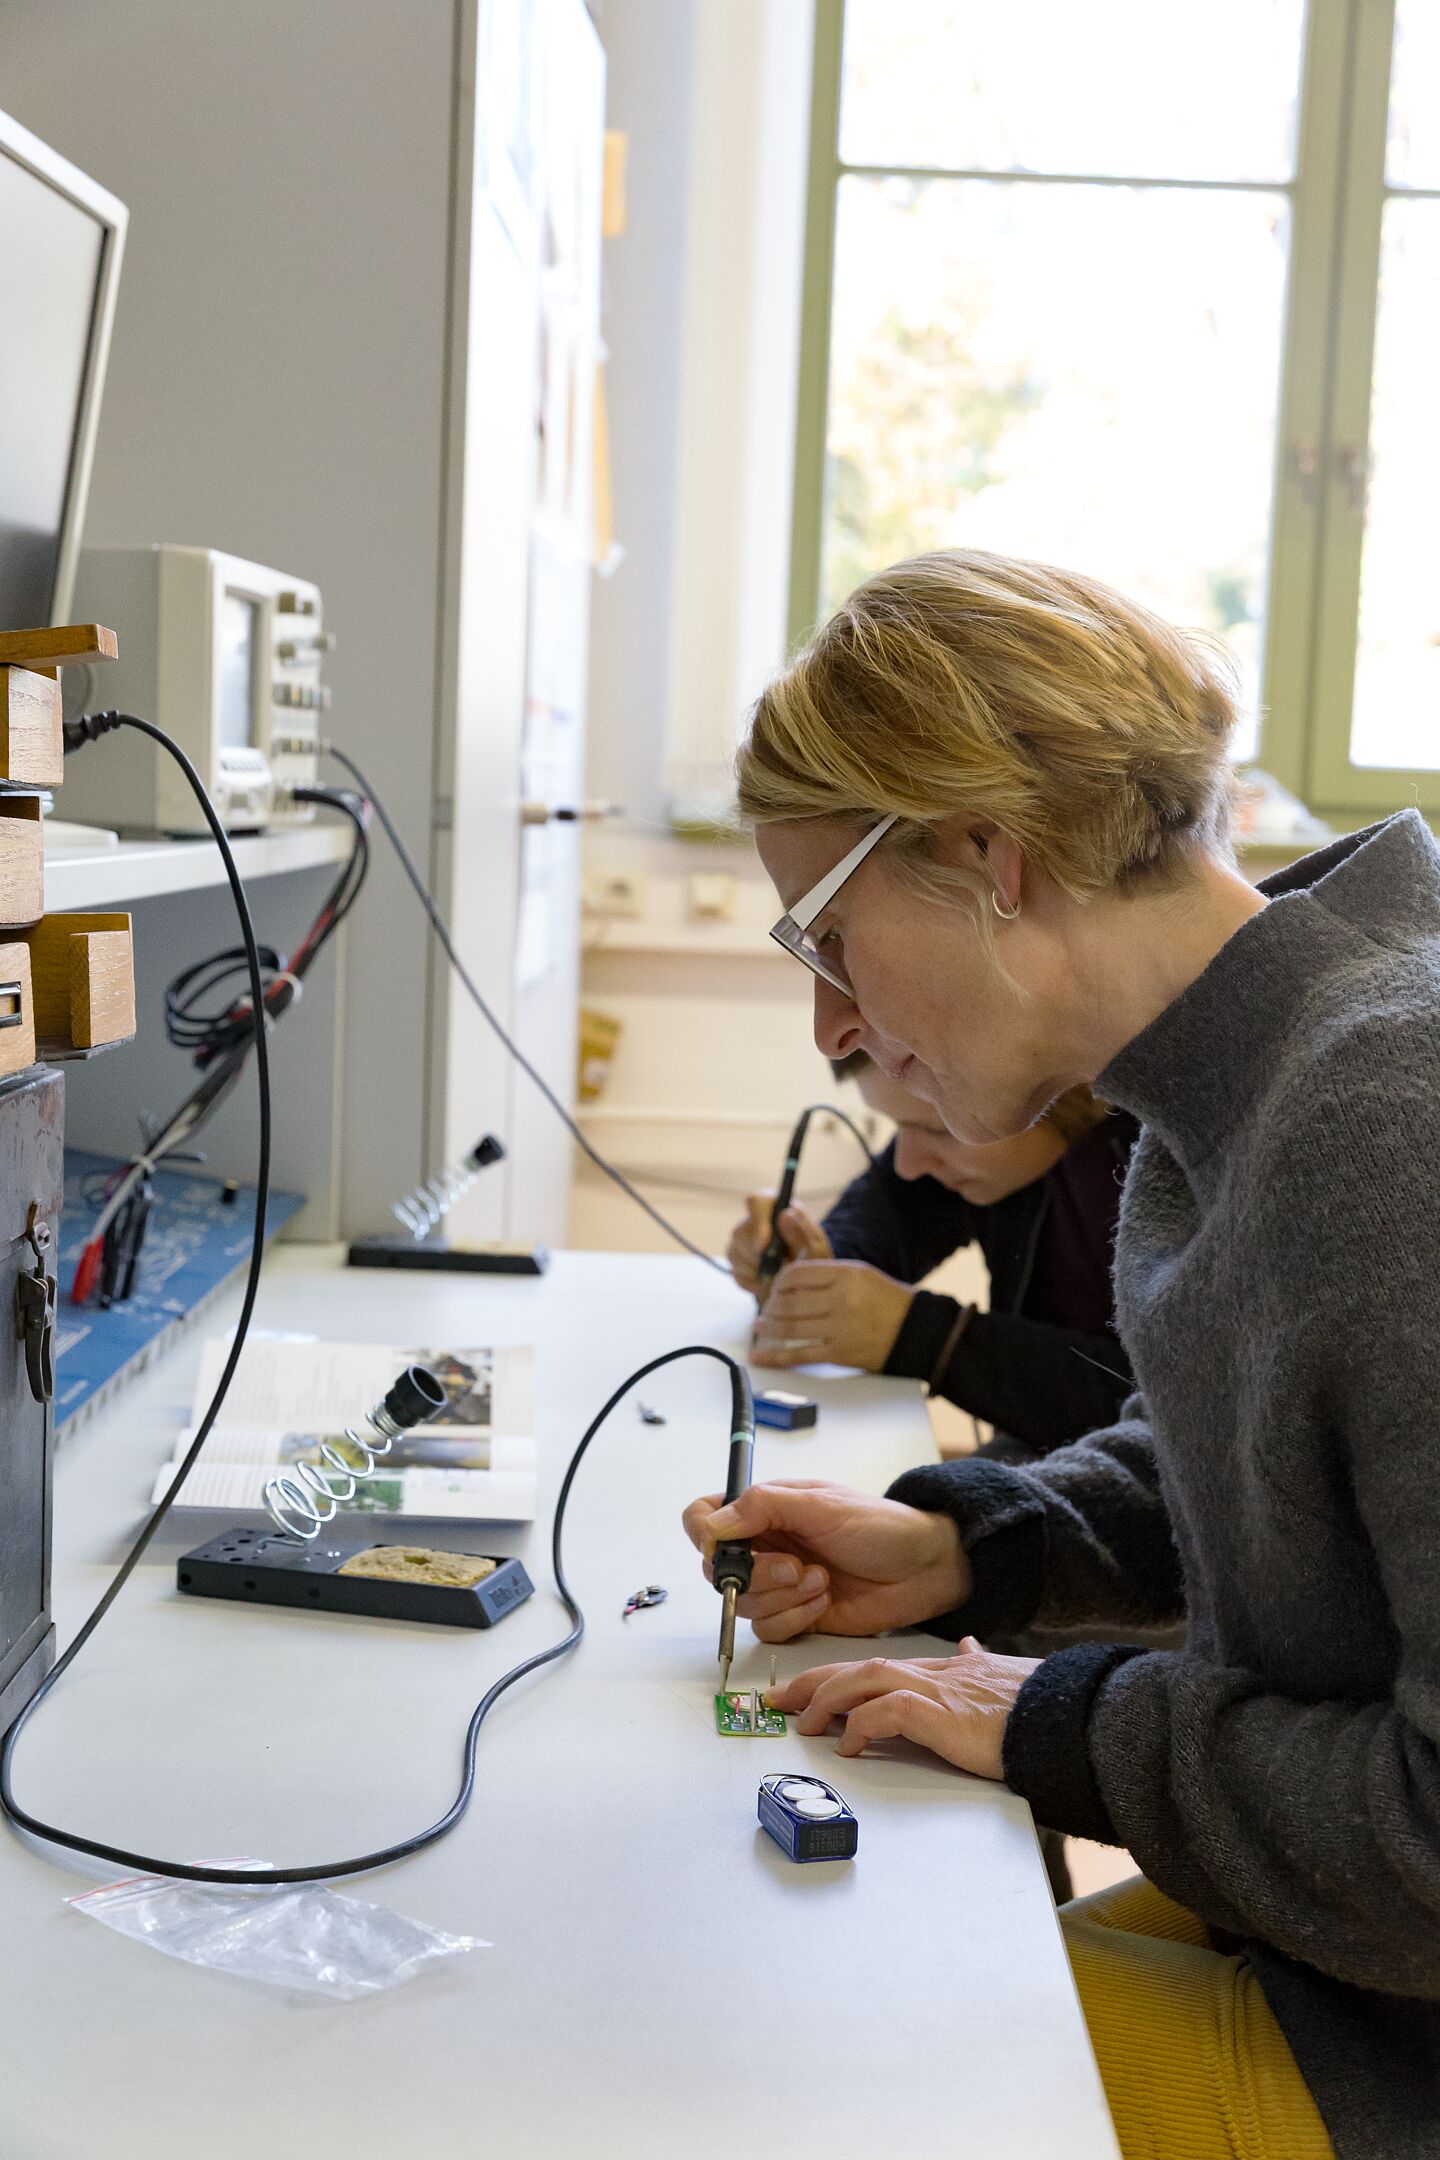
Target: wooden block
x=17 y=1016
x=82 y=969
x=102 y=988
x=32 y=740
x=57 y=647
x=22 y=861
x=612 y=185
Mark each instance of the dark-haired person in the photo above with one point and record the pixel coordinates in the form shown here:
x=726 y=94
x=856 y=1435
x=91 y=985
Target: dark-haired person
x=1044 y=1364
x=990 y=795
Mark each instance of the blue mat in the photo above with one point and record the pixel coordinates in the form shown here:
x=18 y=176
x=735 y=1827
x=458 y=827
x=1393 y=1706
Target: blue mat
x=194 y=1245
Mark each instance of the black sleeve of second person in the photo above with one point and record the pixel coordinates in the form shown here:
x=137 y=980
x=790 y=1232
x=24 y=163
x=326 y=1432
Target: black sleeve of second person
x=1043 y=1385
x=905 y=1226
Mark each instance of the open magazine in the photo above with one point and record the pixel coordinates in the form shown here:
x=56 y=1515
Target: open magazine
x=475 y=1462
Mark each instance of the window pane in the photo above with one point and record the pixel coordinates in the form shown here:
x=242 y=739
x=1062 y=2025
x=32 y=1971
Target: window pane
x=1412 y=158
x=1142 y=87
x=1084 y=375
x=1397 y=676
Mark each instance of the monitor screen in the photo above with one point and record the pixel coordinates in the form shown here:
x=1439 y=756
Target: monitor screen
x=239 y=635
x=51 y=255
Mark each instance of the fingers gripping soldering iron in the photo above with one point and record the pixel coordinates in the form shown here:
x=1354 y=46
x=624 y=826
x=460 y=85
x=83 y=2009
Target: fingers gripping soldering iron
x=731 y=1564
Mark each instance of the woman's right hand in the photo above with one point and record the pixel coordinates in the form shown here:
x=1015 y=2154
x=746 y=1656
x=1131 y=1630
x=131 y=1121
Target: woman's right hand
x=828 y=1557
x=803 y=1236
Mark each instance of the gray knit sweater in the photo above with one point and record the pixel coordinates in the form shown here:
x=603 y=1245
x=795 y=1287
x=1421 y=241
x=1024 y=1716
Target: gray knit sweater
x=1276 y=1480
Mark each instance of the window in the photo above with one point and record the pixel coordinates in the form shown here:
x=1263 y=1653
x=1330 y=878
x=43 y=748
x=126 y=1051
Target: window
x=1099 y=285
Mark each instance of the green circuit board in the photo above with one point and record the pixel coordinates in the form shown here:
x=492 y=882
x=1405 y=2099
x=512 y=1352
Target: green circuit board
x=746 y=1716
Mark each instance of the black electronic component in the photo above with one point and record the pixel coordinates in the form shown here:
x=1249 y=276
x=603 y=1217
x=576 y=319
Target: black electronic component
x=789 y=1413
x=383 y=1582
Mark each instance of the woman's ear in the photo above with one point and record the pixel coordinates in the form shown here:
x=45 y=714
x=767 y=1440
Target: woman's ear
x=976 y=845
x=1006 y=866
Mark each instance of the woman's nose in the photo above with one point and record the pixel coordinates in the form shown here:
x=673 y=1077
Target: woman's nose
x=838 y=1023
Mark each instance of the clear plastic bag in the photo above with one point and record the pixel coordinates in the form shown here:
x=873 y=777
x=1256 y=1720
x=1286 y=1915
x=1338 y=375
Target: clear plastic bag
x=300 y=1936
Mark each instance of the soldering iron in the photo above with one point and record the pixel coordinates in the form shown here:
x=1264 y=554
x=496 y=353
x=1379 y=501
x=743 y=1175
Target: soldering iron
x=732 y=1561
x=776 y=1253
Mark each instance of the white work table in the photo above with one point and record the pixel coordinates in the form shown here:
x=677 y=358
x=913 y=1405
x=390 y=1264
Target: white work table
x=663 y=1982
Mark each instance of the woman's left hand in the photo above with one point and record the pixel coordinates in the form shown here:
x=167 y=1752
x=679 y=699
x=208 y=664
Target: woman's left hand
x=956 y=1706
x=830 y=1312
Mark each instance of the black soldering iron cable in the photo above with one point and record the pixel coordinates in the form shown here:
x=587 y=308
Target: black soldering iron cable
x=742 y=1418
x=78 y=732
x=447 y=943
x=897 y=1224
x=742 y=1422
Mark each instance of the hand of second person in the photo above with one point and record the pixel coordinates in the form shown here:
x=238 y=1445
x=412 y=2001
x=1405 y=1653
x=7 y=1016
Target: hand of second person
x=802 y=1236
x=957 y=1707
x=830 y=1312
x=828 y=1557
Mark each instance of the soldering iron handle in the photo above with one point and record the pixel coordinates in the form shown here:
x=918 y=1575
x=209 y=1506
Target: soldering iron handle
x=775 y=1254
x=733 y=1559
x=742 y=1456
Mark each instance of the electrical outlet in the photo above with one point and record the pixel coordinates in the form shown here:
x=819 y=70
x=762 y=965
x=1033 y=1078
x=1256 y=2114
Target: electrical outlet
x=711 y=896
x=616 y=893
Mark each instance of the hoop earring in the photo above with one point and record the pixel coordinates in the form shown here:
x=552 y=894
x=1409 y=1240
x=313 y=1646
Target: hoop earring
x=1006 y=914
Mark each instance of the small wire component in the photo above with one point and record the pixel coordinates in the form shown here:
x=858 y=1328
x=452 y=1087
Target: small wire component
x=640 y=1600
x=649 y=1416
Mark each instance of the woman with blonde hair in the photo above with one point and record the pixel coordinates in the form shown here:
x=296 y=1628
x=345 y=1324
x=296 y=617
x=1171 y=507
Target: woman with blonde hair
x=991 y=796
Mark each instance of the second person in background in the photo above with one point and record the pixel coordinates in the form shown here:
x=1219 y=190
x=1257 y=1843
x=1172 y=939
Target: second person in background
x=1044 y=1365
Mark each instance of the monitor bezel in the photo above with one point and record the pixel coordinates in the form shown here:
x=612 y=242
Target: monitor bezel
x=110 y=214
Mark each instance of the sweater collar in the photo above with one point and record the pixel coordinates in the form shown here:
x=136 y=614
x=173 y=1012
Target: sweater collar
x=1193 y=1071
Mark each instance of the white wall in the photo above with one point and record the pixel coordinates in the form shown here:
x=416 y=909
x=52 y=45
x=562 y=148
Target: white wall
x=702 y=320
x=277 y=375
x=649 y=54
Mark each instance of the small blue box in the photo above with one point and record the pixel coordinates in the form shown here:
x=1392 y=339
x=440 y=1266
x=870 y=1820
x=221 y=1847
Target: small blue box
x=807 y=1818
x=790 y=1412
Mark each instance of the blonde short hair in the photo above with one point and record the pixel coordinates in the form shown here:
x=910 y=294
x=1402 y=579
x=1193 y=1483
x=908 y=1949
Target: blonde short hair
x=961 y=682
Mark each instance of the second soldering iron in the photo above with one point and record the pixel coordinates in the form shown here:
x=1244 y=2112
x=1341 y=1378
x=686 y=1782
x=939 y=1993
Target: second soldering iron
x=776 y=1253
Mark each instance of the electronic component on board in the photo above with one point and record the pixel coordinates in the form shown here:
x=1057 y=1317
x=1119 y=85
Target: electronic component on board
x=790 y=1413
x=382 y=1582
x=747 y=1716
x=807 y=1818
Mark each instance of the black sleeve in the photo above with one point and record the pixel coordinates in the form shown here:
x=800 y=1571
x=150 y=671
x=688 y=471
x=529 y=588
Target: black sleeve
x=905 y=1226
x=1043 y=1385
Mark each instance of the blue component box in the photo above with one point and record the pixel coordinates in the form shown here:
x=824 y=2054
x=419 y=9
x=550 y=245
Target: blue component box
x=807 y=1818
x=791 y=1413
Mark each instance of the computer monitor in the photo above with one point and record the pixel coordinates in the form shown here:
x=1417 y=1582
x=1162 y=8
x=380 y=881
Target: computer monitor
x=61 y=239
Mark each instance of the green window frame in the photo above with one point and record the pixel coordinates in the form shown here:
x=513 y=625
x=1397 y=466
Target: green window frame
x=1337 y=200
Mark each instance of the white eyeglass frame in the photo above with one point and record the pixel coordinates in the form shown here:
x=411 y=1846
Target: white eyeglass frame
x=792 y=930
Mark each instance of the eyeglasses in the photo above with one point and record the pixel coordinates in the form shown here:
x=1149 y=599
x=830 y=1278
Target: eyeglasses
x=793 y=929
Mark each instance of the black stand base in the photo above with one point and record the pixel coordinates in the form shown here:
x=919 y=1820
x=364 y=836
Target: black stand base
x=403 y=1252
